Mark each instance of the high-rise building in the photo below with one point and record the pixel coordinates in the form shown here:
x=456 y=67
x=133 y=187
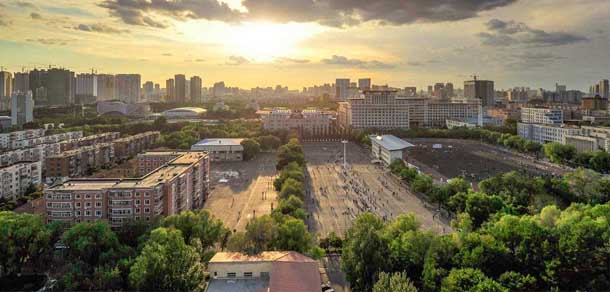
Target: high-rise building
x=106 y=87
x=449 y=89
x=86 y=88
x=6 y=89
x=148 y=90
x=219 y=89
x=604 y=90
x=342 y=87
x=128 y=87
x=170 y=90
x=481 y=89
x=180 y=83
x=60 y=87
x=364 y=83
x=196 y=88
x=531 y=115
x=37 y=81
x=560 y=88
x=21 y=82
x=22 y=108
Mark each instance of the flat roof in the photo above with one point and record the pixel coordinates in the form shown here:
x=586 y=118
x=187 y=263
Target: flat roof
x=220 y=142
x=390 y=142
x=266 y=256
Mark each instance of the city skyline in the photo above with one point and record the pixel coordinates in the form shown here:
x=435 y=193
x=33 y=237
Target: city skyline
x=264 y=43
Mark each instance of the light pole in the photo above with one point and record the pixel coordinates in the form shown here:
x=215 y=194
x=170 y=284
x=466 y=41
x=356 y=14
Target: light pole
x=344 y=154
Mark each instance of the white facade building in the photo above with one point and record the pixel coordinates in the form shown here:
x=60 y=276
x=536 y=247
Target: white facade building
x=22 y=108
x=541 y=133
x=388 y=148
x=86 y=85
x=128 y=87
x=221 y=149
x=547 y=116
x=309 y=121
x=15 y=179
x=342 y=87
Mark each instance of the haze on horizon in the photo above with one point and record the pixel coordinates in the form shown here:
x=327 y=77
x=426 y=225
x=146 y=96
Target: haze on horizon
x=305 y=42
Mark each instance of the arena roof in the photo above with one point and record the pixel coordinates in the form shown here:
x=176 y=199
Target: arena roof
x=194 y=110
x=390 y=142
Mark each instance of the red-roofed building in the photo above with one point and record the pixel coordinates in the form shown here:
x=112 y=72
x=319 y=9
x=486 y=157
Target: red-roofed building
x=274 y=271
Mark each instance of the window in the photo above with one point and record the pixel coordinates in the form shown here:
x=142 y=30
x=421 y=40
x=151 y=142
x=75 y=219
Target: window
x=77 y=204
x=88 y=205
x=87 y=213
x=146 y=195
x=137 y=210
x=146 y=210
x=231 y=275
x=88 y=196
x=146 y=202
x=98 y=204
x=77 y=213
x=98 y=213
x=98 y=196
x=137 y=202
x=248 y=274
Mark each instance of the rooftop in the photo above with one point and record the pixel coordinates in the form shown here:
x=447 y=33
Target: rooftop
x=219 y=142
x=266 y=256
x=390 y=142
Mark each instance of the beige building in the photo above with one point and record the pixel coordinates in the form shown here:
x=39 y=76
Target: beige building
x=18 y=177
x=386 y=109
x=78 y=162
x=309 y=122
x=132 y=145
x=221 y=149
x=267 y=271
x=179 y=185
x=549 y=116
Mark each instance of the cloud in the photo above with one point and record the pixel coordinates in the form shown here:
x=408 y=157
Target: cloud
x=35 y=15
x=199 y=60
x=138 y=12
x=285 y=60
x=50 y=41
x=101 y=28
x=508 y=33
x=344 y=61
x=337 y=13
x=531 y=60
x=24 y=4
x=237 y=60
x=167 y=54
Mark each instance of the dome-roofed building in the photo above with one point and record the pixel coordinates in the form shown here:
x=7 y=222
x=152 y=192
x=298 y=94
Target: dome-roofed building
x=184 y=113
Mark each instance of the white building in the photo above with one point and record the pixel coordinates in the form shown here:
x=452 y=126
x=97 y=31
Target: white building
x=128 y=87
x=530 y=115
x=221 y=149
x=388 y=148
x=86 y=88
x=6 y=139
x=15 y=179
x=184 y=113
x=544 y=133
x=22 y=108
x=386 y=109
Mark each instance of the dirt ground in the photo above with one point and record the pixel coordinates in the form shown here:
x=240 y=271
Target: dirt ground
x=242 y=190
x=336 y=197
x=474 y=160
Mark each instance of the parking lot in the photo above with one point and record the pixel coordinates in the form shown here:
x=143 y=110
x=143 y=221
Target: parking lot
x=336 y=196
x=474 y=160
x=242 y=190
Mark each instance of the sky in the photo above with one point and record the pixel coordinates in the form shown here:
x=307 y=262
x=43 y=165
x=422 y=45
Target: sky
x=296 y=43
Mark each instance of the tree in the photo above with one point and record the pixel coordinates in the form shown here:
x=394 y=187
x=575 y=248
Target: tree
x=262 y=233
x=292 y=187
x=291 y=152
x=93 y=243
x=292 y=206
x=160 y=123
x=469 y=279
x=251 y=148
x=167 y=263
x=293 y=235
x=365 y=252
x=600 y=161
x=559 y=153
x=395 y=282
x=200 y=225
x=480 y=206
x=269 y=142
x=423 y=184
x=584 y=183
x=23 y=238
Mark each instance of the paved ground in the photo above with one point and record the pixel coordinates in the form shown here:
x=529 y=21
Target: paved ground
x=336 y=197
x=472 y=159
x=242 y=190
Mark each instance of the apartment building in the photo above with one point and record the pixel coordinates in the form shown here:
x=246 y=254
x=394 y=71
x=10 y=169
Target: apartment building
x=79 y=161
x=385 y=109
x=36 y=153
x=18 y=177
x=56 y=138
x=89 y=140
x=6 y=139
x=309 y=121
x=151 y=160
x=179 y=185
x=545 y=133
x=132 y=145
x=549 y=116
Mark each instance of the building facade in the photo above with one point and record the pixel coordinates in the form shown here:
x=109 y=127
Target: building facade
x=530 y=115
x=388 y=148
x=309 y=122
x=221 y=149
x=18 y=177
x=179 y=185
x=342 y=88
x=132 y=145
x=545 y=133
x=22 y=108
x=480 y=89
x=128 y=87
x=86 y=88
